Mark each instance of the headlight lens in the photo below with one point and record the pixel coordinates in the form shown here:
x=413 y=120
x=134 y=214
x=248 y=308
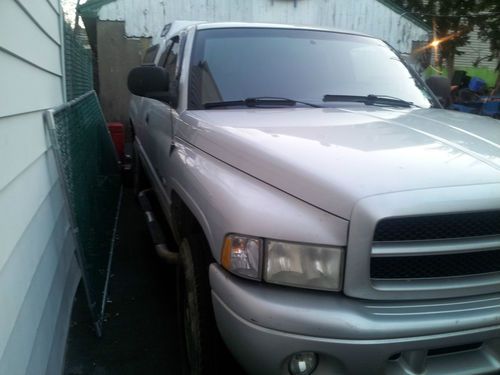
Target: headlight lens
x=285 y=263
x=242 y=255
x=302 y=265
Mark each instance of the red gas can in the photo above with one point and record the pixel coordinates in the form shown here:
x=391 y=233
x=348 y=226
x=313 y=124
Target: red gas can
x=117 y=131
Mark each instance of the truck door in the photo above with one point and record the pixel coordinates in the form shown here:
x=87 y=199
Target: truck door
x=139 y=105
x=160 y=118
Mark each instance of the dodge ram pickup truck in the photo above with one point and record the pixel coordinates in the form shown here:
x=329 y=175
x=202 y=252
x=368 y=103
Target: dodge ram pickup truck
x=331 y=216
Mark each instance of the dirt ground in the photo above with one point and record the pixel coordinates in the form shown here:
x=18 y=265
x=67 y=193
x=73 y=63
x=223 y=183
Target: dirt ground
x=140 y=331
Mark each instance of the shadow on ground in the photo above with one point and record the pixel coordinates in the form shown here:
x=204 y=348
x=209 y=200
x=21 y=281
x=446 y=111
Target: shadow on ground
x=140 y=332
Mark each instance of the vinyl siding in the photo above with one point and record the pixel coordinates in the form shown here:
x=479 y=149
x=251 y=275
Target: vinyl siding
x=473 y=50
x=26 y=87
x=54 y=4
x=21 y=132
x=146 y=18
x=32 y=44
x=38 y=269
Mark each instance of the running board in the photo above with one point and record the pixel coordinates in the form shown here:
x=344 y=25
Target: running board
x=155 y=229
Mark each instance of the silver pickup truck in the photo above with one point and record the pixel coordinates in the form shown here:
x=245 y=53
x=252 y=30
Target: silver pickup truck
x=332 y=217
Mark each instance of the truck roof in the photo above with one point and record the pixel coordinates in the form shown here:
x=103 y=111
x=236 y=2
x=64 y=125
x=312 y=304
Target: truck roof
x=178 y=25
x=220 y=25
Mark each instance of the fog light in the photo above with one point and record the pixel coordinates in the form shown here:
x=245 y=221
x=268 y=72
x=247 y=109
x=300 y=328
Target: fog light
x=303 y=363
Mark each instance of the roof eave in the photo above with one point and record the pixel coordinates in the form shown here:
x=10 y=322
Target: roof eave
x=90 y=9
x=404 y=13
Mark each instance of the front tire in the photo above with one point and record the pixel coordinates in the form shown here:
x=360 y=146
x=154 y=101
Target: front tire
x=200 y=340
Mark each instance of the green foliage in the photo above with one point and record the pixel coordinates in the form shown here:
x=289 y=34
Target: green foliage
x=489 y=25
x=446 y=18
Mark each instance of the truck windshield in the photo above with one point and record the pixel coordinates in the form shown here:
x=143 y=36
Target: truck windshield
x=232 y=64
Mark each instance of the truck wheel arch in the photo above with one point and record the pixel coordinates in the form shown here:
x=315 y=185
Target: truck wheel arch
x=184 y=222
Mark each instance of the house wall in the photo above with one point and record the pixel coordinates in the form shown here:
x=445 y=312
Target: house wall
x=38 y=270
x=146 y=18
x=475 y=49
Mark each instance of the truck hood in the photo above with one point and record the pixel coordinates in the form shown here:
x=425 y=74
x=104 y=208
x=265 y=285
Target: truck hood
x=331 y=157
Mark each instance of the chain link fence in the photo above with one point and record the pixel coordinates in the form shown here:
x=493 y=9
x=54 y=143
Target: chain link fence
x=90 y=175
x=77 y=63
x=89 y=171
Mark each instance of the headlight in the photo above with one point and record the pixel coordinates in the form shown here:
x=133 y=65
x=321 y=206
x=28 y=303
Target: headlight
x=306 y=266
x=285 y=263
x=242 y=255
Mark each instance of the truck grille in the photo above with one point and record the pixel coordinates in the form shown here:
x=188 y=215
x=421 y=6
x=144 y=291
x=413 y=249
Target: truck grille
x=450 y=231
x=414 y=267
x=437 y=227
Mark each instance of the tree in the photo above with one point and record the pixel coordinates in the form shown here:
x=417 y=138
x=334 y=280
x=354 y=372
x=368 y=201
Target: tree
x=489 y=26
x=451 y=21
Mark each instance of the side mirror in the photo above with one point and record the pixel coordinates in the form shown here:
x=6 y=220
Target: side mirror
x=441 y=87
x=149 y=81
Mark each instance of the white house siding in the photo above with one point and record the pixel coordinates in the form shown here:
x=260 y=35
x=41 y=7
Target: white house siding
x=474 y=50
x=146 y=18
x=38 y=269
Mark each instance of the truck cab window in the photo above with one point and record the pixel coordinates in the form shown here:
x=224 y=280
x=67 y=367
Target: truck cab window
x=163 y=57
x=149 y=56
x=171 y=60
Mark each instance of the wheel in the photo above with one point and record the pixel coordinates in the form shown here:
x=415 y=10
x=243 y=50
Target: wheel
x=200 y=341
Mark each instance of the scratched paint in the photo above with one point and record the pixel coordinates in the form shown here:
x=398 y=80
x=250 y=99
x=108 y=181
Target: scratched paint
x=146 y=18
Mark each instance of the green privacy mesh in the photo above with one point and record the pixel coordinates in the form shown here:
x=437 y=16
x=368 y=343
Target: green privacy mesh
x=90 y=175
x=77 y=63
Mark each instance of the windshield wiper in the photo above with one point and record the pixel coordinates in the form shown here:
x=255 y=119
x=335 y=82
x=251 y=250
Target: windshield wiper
x=370 y=100
x=261 y=101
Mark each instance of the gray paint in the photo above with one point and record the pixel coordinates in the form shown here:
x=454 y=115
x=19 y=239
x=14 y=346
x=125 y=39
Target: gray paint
x=349 y=160
x=330 y=314
x=246 y=320
x=330 y=169
x=326 y=176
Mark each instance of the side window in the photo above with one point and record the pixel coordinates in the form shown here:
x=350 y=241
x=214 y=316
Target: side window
x=171 y=60
x=149 y=56
x=163 y=56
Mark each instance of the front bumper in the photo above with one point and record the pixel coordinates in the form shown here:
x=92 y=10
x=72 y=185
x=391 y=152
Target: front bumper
x=263 y=325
